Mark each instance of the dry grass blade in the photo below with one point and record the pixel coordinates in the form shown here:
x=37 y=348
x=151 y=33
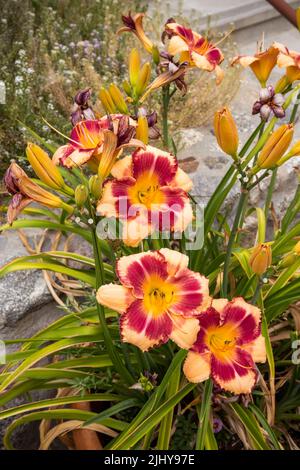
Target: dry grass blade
x=72 y=425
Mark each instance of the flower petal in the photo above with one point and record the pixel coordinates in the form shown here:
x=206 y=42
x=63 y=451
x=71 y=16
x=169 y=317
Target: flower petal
x=177 y=45
x=136 y=229
x=191 y=293
x=107 y=204
x=185 y=330
x=197 y=367
x=122 y=168
x=116 y=297
x=155 y=161
x=176 y=261
x=184 y=217
x=236 y=374
x=244 y=317
x=257 y=349
x=133 y=270
x=208 y=319
x=182 y=180
x=140 y=328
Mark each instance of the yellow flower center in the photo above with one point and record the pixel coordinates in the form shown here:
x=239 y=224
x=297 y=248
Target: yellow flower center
x=158 y=295
x=146 y=191
x=221 y=341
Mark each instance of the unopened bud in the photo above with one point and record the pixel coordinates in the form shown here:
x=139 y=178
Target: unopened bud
x=118 y=99
x=226 y=132
x=276 y=146
x=81 y=195
x=95 y=186
x=134 y=66
x=261 y=258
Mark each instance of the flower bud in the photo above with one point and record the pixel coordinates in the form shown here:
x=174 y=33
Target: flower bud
x=81 y=195
x=118 y=99
x=155 y=55
x=134 y=66
x=265 y=111
x=107 y=101
x=276 y=146
x=143 y=78
x=95 y=186
x=261 y=258
x=226 y=132
x=266 y=94
x=291 y=257
x=142 y=130
x=297 y=248
x=282 y=83
x=127 y=87
x=43 y=166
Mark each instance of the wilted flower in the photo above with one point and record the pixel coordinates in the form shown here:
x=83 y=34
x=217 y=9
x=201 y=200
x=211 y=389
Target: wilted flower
x=268 y=103
x=261 y=63
x=25 y=191
x=158 y=299
x=170 y=72
x=226 y=132
x=194 y=49
x=148 y=193
x=81 y=109
x=134 y=24
x=261 y=258
x=276 y=146
x=228 y=345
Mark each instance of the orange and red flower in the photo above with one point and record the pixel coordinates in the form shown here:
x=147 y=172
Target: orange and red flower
x=261 y=63
x=194 y=49
x=229 y=343
x=291 y=61
x=159 y=298
x=87 y=139
x=148 y=193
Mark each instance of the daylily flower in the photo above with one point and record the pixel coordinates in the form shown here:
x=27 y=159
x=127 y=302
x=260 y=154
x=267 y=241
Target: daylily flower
x=158 y=299
x=228 y=345
x=134 y=24
x=194 y=49
x=291 y=61
x=25 y=191
x=148 y=193
x=261 y=63
x=87 y=140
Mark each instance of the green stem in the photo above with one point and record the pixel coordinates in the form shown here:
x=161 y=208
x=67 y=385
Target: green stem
x=204 y=415
x=270 y=192
x=100 y=279
x=165 y=112
x=235 y=226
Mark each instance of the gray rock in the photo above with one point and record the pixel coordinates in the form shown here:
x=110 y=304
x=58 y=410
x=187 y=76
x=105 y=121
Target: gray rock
x=20 y=291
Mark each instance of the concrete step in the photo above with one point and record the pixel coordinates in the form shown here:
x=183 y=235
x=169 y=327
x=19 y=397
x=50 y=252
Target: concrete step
x=225 y=13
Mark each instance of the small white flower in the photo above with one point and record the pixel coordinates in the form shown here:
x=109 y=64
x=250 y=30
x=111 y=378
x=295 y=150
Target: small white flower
x=265 y=280
x=77 y=220
x=90 y=221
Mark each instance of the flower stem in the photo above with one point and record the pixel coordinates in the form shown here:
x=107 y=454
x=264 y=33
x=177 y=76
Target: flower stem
x=165 y=112
x=100 y=279
x=235 y=226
